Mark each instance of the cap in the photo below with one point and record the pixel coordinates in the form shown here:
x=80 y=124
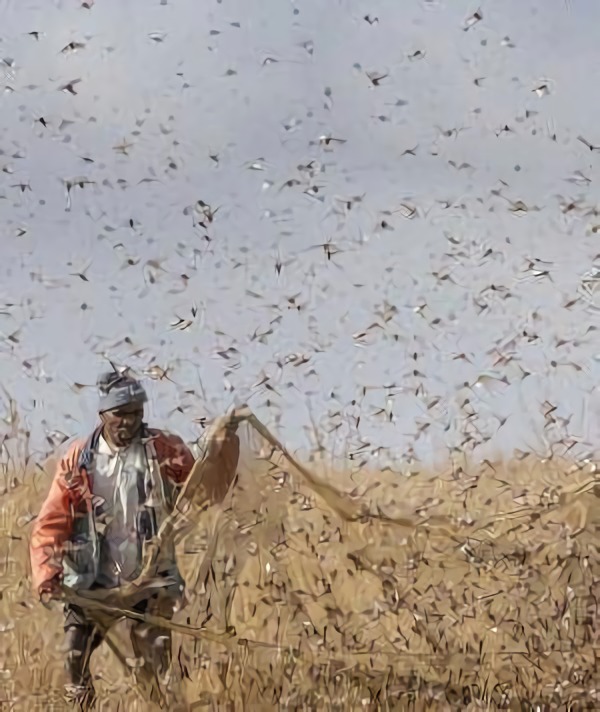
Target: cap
x=117 y=390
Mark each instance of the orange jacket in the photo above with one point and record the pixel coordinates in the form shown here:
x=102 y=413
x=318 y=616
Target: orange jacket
x=70 y=498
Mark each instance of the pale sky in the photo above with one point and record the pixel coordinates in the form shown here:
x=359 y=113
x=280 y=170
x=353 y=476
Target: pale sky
x=255 y=84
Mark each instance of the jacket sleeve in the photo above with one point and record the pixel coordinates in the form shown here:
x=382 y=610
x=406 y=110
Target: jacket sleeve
x=53 y=525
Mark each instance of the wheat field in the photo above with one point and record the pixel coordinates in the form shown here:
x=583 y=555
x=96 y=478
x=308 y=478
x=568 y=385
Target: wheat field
x=466 y=588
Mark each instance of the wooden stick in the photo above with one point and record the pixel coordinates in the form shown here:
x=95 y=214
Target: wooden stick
x=95 y=607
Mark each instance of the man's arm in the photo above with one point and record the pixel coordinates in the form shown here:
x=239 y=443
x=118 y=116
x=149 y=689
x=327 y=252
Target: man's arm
x=175 y=458
x=223 y=453
x=53 y=527
x=219 y=458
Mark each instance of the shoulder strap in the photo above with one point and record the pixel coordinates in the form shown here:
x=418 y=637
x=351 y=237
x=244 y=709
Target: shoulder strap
x=89 y=449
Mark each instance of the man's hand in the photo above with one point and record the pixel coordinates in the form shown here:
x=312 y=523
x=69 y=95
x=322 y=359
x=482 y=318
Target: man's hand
x=221 y=429
x=51 y=591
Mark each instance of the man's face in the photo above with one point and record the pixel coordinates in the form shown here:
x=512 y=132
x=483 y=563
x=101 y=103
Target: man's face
x=122 y=425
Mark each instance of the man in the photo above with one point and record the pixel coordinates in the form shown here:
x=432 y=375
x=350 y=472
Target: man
x=109 y=495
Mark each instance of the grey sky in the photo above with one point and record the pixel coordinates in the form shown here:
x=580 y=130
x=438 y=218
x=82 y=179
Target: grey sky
x=176 y=89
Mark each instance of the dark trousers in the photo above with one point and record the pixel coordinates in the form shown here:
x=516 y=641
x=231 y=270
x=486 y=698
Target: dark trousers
x=82 y=637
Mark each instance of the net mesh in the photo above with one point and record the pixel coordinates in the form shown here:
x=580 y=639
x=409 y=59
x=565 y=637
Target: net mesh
x=359 y=586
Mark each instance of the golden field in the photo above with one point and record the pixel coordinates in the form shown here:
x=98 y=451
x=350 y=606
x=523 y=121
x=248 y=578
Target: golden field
x=465 y=588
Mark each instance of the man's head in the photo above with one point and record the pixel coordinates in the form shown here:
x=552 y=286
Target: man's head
x=121 y=407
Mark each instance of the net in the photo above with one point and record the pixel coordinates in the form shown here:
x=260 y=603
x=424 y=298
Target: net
x=376 y=586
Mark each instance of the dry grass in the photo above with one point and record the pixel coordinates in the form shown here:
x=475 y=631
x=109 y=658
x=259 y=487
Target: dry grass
x=484 y=597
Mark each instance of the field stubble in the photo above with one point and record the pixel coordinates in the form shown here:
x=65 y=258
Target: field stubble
x=481 y=594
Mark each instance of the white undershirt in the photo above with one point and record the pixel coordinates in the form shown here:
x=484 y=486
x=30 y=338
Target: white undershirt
x=115 y=488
